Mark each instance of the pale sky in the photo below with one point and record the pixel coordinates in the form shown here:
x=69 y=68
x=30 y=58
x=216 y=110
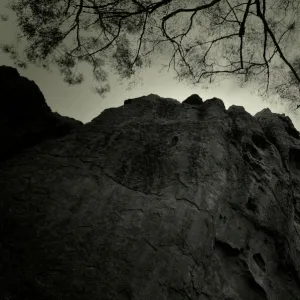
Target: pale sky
x=80 y=101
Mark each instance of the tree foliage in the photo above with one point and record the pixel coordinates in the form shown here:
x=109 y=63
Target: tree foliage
x=252 y=41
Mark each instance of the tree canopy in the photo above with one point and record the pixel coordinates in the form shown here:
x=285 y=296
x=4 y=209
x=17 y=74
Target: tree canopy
x=252 y=41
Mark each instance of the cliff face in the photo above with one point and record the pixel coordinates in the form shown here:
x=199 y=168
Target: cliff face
x=156 y=199
x=25 y=117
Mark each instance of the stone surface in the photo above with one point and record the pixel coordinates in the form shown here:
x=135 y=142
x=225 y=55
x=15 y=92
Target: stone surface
x=25 y=117
x=194 y=99
x=155 y=200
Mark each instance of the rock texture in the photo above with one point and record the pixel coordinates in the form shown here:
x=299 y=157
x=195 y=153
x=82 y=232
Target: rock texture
x=156 y=200
x=194 y=99
x=25 y=117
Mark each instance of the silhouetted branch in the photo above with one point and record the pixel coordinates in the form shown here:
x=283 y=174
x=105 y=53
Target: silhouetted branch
x=232 y=32
x=267 y=28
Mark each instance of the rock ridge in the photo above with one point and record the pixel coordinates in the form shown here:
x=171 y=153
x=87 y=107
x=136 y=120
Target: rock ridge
x=25 y=117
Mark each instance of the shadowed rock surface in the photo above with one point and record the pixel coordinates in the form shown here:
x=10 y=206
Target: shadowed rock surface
x=155 y=200
x=194 y=99
x=25 y=117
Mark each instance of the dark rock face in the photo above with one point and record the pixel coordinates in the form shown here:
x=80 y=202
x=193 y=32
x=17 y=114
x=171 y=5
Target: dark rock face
x=128 y=101
x=154 y=200
x=194 y=99
x=25 y=117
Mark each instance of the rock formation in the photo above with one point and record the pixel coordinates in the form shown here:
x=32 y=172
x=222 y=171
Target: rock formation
x=194 y=99
x=25 y=117
x=155 y=200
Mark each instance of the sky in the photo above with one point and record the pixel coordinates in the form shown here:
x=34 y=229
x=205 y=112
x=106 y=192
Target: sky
x=82 y=103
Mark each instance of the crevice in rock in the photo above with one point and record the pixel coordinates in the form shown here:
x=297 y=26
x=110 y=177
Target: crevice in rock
x=226 y=248
x=259 y=261
x=260 y=141
x=252 y=150
x=191 y=203
x=117 y=181
x=174 y=141
x=251 y=204
x=150 y=244
x=256 y=287
x=179 y=179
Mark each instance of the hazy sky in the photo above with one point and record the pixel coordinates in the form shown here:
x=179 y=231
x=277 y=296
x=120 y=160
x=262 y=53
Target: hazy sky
x=81 y=103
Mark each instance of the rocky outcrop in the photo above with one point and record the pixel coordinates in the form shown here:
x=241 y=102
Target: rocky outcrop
x=156 y=200
x=194 y=99
x=25 y=117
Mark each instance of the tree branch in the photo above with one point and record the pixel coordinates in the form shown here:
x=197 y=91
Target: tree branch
x=267 y=28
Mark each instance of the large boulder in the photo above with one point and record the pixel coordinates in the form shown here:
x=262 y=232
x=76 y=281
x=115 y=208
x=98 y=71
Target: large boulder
x=152 y=200
x=25 y=117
